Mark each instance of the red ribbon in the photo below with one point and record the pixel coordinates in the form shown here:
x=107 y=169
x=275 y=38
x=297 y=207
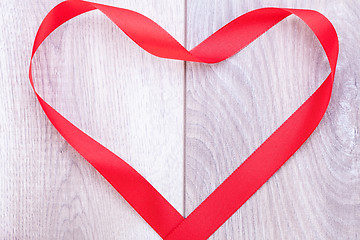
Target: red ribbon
x=227 y=41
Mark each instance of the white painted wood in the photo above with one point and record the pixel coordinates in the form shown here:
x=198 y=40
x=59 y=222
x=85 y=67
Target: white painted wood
x=233 y=106
x=133 y=103
x=100 y=80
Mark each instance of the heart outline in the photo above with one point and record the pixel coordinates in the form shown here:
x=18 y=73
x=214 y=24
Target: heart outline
x=162 y=216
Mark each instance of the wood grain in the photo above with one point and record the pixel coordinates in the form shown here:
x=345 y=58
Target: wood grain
x=100 y=80
x=233 y=106
x=184 y=137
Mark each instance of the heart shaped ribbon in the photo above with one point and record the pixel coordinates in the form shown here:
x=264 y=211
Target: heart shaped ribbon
x=227 y=41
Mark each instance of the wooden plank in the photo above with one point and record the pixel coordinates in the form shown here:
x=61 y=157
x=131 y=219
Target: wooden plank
x=122 y=96
x=233 y=106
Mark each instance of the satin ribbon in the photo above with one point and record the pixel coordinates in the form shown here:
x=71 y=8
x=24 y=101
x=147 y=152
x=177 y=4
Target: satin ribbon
x=227 y=41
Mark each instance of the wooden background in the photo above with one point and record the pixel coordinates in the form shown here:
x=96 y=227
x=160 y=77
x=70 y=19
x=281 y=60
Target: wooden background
x=184 y=126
